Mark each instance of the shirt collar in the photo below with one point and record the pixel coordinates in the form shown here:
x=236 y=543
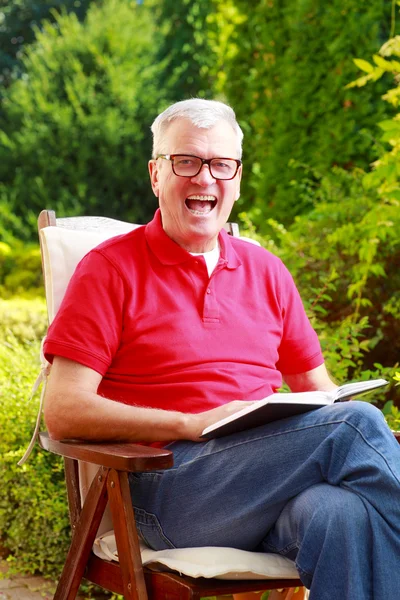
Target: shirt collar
x=169 y=252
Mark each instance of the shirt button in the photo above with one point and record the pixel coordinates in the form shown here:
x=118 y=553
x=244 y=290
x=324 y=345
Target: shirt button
x=208 y=291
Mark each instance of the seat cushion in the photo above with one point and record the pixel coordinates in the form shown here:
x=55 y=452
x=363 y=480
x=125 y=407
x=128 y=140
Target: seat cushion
x=209 y=562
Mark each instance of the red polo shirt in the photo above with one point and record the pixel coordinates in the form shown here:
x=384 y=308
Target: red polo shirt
x=142 y=312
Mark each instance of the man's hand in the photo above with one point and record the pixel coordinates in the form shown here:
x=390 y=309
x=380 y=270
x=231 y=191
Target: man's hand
x=198 y=422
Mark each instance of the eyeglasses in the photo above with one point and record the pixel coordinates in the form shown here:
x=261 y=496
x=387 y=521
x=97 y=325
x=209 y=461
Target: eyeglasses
x=186 y=165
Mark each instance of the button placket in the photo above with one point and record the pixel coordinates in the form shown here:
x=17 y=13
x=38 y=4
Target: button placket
x=211 y=309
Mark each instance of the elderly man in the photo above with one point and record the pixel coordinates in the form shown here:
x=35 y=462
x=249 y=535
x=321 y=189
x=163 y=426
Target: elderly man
x=170 y=328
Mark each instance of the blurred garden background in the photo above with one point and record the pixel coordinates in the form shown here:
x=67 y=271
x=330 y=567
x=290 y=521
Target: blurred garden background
x=315 y=86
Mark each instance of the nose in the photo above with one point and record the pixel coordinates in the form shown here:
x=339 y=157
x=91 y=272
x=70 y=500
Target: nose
x=204 y=176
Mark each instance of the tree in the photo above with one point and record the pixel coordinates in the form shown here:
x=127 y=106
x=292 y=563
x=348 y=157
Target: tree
x=18 y=20
x=183 y=47
x=75 y=133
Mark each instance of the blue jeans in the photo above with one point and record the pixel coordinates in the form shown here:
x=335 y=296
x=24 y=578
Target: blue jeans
x=322 y=489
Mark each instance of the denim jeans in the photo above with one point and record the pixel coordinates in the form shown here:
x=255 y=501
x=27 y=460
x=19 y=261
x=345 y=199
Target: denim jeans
x=322 y=489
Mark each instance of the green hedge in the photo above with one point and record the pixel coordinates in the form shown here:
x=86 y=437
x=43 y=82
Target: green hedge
x=34 y=524
x=22 y=320
x=20 y=269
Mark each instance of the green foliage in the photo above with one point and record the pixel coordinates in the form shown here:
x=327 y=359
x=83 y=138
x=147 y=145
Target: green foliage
x=33 y=516
x=34 y=524
x=75 y=127
x=392 y=412
x=18 y=20
x=392 y=415
x=23 y=319
x=385 y=175
x=183 y=48
x=344 y=256
x=20 y=269
x=285 y=65
x=11 y=226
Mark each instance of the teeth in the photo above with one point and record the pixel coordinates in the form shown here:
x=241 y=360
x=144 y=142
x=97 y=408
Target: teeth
x=202 y=198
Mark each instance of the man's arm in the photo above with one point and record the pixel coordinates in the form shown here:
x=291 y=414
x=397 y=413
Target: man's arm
x=74 y=410
x=316 y=379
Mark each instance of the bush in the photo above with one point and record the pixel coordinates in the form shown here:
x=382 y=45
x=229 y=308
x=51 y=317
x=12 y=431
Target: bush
x=11 y=226
x=76 y=125
x=34 y=524
x=384 y=175
x=285 y=66
x=344 y=256
x=20 y=269
x=24 y=319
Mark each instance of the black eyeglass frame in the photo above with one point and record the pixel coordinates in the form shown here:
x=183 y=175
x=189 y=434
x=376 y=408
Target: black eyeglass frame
x=204 y=161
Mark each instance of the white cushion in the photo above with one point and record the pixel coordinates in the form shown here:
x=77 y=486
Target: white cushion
x=62 y=249
x=208 y=561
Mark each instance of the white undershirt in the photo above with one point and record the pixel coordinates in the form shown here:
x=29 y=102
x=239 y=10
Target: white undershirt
x=211 y=257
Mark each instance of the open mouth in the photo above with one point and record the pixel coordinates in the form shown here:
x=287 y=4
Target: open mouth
x=199 y=204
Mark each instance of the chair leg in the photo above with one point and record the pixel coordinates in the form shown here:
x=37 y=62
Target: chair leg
x=83 y=537
x=126 y=536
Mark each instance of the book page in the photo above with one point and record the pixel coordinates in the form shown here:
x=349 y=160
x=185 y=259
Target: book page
x=359 y=387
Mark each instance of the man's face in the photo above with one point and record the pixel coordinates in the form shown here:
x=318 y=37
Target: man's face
x=194 y=209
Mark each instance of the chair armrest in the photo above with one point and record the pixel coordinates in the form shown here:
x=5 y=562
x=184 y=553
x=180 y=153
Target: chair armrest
x=122 y=457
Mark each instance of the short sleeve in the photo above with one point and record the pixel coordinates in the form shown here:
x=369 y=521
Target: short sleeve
x=88 y=325
x=299 y=350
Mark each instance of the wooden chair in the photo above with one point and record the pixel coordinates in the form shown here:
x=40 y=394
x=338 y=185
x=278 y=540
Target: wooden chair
x=110 y=486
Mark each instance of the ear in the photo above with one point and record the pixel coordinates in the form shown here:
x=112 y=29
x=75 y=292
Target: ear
x=153 y=170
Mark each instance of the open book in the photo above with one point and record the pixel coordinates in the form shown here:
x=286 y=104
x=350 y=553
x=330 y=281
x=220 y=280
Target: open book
x=279 y=406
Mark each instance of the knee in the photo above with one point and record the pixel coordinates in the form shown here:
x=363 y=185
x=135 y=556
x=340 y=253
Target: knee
x=358 y=411
x=344 y=513
x=324 y=509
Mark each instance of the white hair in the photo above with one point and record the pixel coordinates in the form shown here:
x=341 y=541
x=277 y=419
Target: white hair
x=204 y=114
